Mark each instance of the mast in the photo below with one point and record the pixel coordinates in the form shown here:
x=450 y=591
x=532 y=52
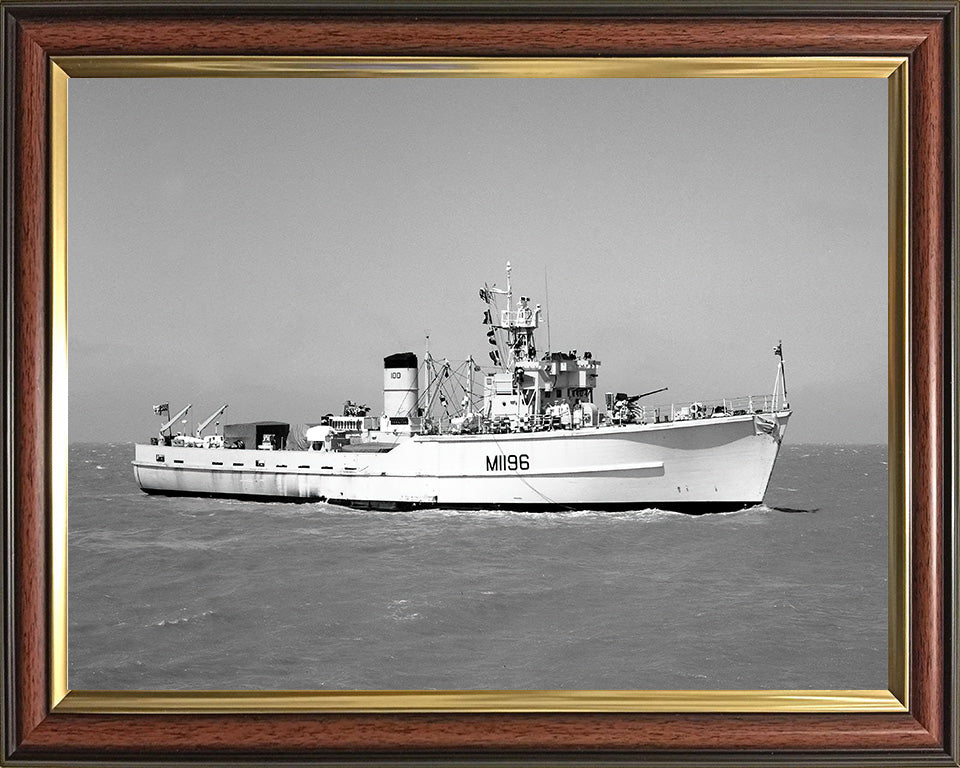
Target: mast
x=780 y=383
x=426 y=372
x=511 y=333
x=470 y=384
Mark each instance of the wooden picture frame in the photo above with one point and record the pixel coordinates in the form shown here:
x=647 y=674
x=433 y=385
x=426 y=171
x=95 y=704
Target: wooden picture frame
x=41 y=726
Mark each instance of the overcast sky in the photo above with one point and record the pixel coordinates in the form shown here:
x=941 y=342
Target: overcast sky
x=265 y=243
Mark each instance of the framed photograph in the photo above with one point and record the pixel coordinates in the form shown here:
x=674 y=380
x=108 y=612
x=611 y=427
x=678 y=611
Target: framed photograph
x=491 y=292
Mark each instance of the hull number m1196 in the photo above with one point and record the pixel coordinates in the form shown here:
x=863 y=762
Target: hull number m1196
x=508 y=462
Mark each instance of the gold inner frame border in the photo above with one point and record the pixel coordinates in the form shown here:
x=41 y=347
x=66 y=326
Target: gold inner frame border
x=894 y=699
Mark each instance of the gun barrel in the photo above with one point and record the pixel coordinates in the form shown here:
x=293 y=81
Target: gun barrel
x=653 y=392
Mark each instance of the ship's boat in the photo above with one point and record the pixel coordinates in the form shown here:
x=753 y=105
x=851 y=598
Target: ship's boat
x=528 y=433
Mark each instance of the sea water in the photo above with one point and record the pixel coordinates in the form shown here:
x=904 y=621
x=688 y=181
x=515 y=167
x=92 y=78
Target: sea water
x=173 y=593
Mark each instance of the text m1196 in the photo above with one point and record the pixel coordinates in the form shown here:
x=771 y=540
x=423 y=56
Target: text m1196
x=508 y=462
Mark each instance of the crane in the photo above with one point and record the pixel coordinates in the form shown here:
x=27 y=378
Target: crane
x=173 y=421
x=205 y=422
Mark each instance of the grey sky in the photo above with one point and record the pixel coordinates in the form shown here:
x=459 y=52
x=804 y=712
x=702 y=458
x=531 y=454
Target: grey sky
x=266 y=243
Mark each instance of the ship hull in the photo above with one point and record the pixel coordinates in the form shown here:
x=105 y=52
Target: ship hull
x=694 y=466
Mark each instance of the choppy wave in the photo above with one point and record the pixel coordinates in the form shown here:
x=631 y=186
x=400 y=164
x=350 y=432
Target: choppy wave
x=182 y=619
x=109 y=540
x=402 y=610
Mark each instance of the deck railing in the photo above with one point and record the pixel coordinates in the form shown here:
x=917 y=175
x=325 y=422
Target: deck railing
x=703 y=409
x=636 y=414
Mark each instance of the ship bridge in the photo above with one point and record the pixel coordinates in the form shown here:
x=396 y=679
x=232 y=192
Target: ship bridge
x=529 y=387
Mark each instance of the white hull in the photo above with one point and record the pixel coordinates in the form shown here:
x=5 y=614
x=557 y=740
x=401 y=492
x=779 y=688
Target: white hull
x=696 y=465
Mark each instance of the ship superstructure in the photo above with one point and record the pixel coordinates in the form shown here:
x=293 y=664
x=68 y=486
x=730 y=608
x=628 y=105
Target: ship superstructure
x=526 y=433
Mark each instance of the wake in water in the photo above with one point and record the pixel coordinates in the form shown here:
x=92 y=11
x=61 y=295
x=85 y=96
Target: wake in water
x=533 y=517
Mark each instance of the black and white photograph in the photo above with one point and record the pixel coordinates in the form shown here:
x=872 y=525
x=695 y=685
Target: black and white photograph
x=422 y=383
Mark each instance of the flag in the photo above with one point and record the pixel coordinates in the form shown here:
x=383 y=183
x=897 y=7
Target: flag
x=158 y=409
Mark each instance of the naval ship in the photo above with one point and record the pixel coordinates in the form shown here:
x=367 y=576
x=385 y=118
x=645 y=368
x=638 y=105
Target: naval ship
x=528 y=433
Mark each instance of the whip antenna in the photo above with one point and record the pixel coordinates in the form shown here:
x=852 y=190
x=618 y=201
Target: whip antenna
x=546 y=301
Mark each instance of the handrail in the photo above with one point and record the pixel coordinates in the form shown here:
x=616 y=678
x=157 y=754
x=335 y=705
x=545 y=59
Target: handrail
x=706 y=409
x=636 y=414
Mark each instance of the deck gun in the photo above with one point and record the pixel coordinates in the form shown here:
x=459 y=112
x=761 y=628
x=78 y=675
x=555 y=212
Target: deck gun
x=646 y=394
x=623 y=397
